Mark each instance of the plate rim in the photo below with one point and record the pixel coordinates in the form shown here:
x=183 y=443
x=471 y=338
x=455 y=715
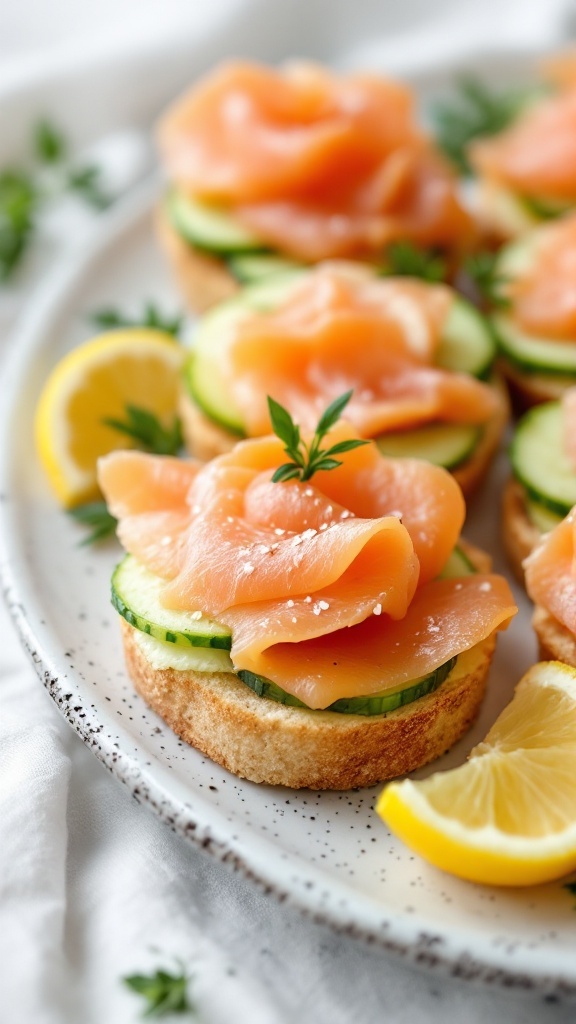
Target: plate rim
x=398 y=933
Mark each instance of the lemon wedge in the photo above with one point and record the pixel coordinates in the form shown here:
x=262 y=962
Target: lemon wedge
x=97 y=380
x=507 y=816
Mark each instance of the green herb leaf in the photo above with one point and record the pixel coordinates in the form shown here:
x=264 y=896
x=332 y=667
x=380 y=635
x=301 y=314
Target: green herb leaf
x=86 y=181
x=482 y=269
x=164 y=992
x=109 y=318
x=18 y=206
x=283 y=425
x=309 y=459
x=49 y=143
x=332 y=414
x=146 y=429
x=346 y=446
x=475 y=111
x=403 y=259
x=324 y=464
x=94 y=514
x=288 y=471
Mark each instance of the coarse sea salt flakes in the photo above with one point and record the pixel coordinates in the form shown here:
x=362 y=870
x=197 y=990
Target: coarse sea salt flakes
x=248 y=568
x=377 y=609
x=290 y=602
x=279 y=531
x=486 y=586
x=196 y=615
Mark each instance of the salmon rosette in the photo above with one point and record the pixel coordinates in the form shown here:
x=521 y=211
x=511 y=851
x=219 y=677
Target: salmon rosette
x=408 y=350
x=537 y=327
x=332 y=588
x=528 y=171
x=304 y=164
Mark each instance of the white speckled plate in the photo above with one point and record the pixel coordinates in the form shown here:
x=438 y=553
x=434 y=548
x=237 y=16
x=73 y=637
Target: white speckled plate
x=326 y=852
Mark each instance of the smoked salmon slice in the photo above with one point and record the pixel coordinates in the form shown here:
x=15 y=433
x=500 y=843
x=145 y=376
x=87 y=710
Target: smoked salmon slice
x=317 y=165
x=550 y=572
x=338 y=331
x=536 y=155
x=343 y=562
x=544 y=296
x=446 y=617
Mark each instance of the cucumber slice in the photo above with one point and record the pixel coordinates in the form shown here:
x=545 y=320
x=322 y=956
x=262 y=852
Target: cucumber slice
x=467 y=344
x=136 y=596
x=535 y=355
x=208 y=227
x=374 y=704
x=539 y=461
x=250 y=269
x=162 y=655
x=457 y=565
x=202 y=372
x=444 y=444
x=541 y=517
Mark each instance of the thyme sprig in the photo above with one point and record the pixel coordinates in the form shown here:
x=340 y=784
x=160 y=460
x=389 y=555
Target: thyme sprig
x=95 y=515
x=109 y=318
x=305 y=460
x=403 y=259
x=149 y=433
x=476 y=110
x=26 y=191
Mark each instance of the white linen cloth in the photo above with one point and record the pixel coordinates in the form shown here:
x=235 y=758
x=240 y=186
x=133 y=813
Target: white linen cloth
x=92 y=885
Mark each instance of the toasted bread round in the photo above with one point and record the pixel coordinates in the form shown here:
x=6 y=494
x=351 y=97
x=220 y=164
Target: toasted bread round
x=264 y=741
x=206 y=439
x=519 y=534
x=203 y=280
x=555 y=642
